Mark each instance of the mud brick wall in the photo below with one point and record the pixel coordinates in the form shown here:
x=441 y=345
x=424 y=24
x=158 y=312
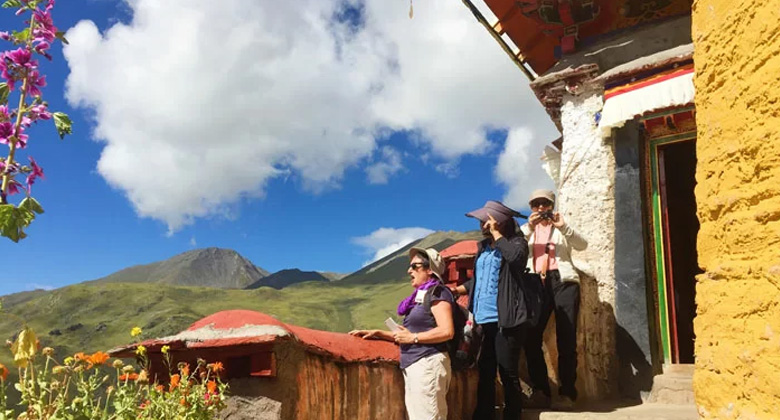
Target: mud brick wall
x=737 y=58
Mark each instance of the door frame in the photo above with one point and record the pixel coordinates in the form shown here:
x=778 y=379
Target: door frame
x=661 y=242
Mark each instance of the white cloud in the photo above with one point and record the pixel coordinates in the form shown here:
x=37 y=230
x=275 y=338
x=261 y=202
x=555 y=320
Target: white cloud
x=519 y=169
x=193 y=242
x=200 y=111
x=388 y=164
x=384 y=241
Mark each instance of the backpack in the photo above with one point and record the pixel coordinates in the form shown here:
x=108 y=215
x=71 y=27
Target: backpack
x=535 y=297
x=464 y=346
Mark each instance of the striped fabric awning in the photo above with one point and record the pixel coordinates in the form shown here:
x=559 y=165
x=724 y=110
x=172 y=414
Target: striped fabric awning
x=663 y=90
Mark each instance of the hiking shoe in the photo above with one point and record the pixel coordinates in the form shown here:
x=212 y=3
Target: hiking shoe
x=564 y=403
x=536 y=399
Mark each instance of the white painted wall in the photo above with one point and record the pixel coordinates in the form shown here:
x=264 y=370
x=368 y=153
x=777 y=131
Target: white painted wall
x=586 y=199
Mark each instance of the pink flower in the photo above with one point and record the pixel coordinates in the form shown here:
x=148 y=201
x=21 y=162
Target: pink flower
x=13 y=187
x=4 y=115
x=37 y=112
x=37 y=172
x=20 y=57
x=36 y=81
x=6 y=131
x=5 y=36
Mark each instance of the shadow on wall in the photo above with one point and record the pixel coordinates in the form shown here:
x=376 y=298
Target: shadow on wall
x=607 y=355
x=635 y=374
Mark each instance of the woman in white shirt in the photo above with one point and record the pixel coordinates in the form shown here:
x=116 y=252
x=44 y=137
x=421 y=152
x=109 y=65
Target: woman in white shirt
x=550 y=241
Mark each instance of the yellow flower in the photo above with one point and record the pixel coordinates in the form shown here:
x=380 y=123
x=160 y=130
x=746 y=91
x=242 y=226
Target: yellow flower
x=24 y=347
x=165 y=349
x=69 y=360
x=140 y=351
x=136 y=331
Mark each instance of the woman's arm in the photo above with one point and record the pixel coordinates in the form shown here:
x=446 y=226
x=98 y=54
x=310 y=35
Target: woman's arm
x=373 y=334
x=572 y=237
x=514 y=251
x=444 y=330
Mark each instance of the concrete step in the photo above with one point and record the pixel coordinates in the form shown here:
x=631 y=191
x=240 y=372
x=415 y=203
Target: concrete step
x=674 y=386
x=639 y=412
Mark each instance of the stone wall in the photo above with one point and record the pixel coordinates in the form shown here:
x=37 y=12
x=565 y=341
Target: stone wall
x=738 y=197
x=586 y=199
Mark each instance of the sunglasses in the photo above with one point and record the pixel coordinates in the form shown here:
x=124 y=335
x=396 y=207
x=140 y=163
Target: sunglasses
x=417 y=266
x=539 y=203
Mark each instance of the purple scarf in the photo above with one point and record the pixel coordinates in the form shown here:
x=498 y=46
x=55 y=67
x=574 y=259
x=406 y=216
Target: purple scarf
x=407 y=304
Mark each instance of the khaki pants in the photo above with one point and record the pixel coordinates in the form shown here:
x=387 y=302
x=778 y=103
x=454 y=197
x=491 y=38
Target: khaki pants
x=426 y=383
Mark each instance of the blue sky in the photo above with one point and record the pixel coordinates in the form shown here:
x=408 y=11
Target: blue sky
x=285 y=132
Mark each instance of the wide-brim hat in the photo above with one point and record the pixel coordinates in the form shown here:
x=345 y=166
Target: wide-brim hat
x=497 y=209
x=436 y=263
x=546 y=194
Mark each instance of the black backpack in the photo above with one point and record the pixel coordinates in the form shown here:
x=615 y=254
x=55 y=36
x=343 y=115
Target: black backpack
x=535 y=298
x=464 y=346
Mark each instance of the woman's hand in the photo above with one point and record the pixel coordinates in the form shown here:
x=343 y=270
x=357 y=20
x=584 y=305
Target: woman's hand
x=558 y=220
x=534 y=219
x=365 y=334
x=492 y=225
x=403 y=336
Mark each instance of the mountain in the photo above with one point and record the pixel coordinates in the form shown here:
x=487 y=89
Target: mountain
x=393 y=267
x=333 y=276
x=209 y=267
x=284 y=278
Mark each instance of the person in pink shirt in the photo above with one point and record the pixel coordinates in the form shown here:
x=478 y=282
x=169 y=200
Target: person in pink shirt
x=550 y=242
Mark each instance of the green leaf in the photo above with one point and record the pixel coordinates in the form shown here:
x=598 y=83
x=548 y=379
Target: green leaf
x=12 y=3
x=32 y=205
x=61 y=36
x=22 y=37
x=13 y=220
x=4 y=92
x=63 y=123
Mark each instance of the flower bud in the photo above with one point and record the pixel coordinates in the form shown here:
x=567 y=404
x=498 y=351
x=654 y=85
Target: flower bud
x=118 y=364
x=48 y=351
x=143 y=377
x=128 y=369
x=59 y=370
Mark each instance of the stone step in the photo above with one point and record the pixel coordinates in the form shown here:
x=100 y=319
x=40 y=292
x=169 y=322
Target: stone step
x=674 y=386
x=639 y=412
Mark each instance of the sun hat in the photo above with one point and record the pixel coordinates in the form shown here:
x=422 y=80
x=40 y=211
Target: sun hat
x=546 y=194
x=497 y=209
x=436 y=263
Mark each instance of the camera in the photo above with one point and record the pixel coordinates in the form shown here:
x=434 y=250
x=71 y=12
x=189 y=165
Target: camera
x=546 y=215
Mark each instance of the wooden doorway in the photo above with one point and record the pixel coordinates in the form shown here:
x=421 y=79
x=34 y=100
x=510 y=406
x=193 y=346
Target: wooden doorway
x=675 y=226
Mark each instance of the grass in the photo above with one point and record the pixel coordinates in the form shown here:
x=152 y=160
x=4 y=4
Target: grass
x=91 y=317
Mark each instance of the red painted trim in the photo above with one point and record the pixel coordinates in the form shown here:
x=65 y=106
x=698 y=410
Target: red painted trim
x=647 y=82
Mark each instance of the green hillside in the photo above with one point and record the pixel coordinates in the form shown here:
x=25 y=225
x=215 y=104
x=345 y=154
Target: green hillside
x=394 y=265
x=96 y=316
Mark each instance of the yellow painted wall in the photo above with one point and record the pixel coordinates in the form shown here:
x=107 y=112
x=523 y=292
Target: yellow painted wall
x=737 y=44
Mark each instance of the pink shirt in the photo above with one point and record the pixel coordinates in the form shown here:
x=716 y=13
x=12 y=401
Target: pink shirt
x=541 y=236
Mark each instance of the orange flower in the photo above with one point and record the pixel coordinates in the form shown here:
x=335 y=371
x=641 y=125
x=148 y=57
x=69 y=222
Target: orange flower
x=129 y=377
x=80 y=356
x=175 y=381
x=185 y=370
x=183 y=402
x=99 y=358
x=212 y=387
x=160 y=388
x=3 y=372
x=216 y=367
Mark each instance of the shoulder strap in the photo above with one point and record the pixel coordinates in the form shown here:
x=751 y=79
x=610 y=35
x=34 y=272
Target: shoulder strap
x=543 y=273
